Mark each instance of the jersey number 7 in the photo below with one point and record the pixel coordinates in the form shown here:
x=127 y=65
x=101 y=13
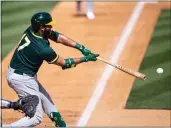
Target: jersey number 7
x=26 y=42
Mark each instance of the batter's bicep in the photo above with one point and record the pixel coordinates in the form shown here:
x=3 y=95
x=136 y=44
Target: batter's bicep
x=49 y=55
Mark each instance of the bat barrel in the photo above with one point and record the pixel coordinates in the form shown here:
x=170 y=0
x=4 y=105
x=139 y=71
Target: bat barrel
x=131 y=72
x=126 y=70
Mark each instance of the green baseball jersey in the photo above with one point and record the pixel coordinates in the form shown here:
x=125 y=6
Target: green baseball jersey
x=31 y=52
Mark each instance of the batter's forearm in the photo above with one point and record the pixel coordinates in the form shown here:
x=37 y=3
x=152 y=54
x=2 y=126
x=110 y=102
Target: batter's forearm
x=77 y=60
x=69 y=62
x=71 y=43
x=72 y=62
x=66 y=41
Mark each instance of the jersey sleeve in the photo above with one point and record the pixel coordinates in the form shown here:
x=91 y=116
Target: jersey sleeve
x=54 y=35
x=49 y=55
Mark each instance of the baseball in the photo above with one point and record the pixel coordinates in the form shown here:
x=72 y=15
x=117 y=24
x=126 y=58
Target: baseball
x=159 y=70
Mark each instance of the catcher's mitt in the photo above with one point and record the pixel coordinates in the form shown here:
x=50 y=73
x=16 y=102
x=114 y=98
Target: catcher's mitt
x=28 y=105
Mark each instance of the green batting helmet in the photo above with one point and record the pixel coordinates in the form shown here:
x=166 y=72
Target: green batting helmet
x=41 y=19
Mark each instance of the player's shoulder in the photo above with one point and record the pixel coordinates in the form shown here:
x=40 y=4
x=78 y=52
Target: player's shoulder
x=35 y=38
x=32 y=36
x=55 y=32
x=37 y=41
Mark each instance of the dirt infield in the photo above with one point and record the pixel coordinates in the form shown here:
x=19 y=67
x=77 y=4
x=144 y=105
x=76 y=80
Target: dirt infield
x=72 y=89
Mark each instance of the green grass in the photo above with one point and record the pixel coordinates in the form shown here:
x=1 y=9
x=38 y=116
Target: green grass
x=15 y=18
x=155 y=91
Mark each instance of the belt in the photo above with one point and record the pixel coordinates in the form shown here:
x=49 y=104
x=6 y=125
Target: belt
x=21 y=73
x=18 y=72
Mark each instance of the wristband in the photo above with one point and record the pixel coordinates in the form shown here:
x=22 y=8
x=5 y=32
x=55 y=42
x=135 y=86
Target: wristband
x=79 y=46
x=69 y=63
x=83 y=59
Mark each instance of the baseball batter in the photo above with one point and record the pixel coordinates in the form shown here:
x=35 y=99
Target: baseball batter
x=33 y=49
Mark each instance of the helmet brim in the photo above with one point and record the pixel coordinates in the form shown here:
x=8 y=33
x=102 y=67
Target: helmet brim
x=51 y=23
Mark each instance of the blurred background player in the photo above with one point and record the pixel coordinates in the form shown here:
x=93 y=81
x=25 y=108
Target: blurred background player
x=89 y=9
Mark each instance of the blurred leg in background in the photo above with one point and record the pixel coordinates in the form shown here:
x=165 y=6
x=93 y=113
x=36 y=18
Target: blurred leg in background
x=78 y=6
x=89 y=10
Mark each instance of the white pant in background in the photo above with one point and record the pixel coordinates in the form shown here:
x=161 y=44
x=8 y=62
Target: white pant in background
x=89 y=10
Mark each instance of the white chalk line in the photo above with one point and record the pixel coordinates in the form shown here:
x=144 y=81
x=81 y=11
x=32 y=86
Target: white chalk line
x=108 y=70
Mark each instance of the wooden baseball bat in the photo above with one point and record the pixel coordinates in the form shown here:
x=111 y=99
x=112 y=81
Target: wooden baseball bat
x=126 y=70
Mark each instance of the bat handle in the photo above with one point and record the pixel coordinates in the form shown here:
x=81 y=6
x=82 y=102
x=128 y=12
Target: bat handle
x=107 y=62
